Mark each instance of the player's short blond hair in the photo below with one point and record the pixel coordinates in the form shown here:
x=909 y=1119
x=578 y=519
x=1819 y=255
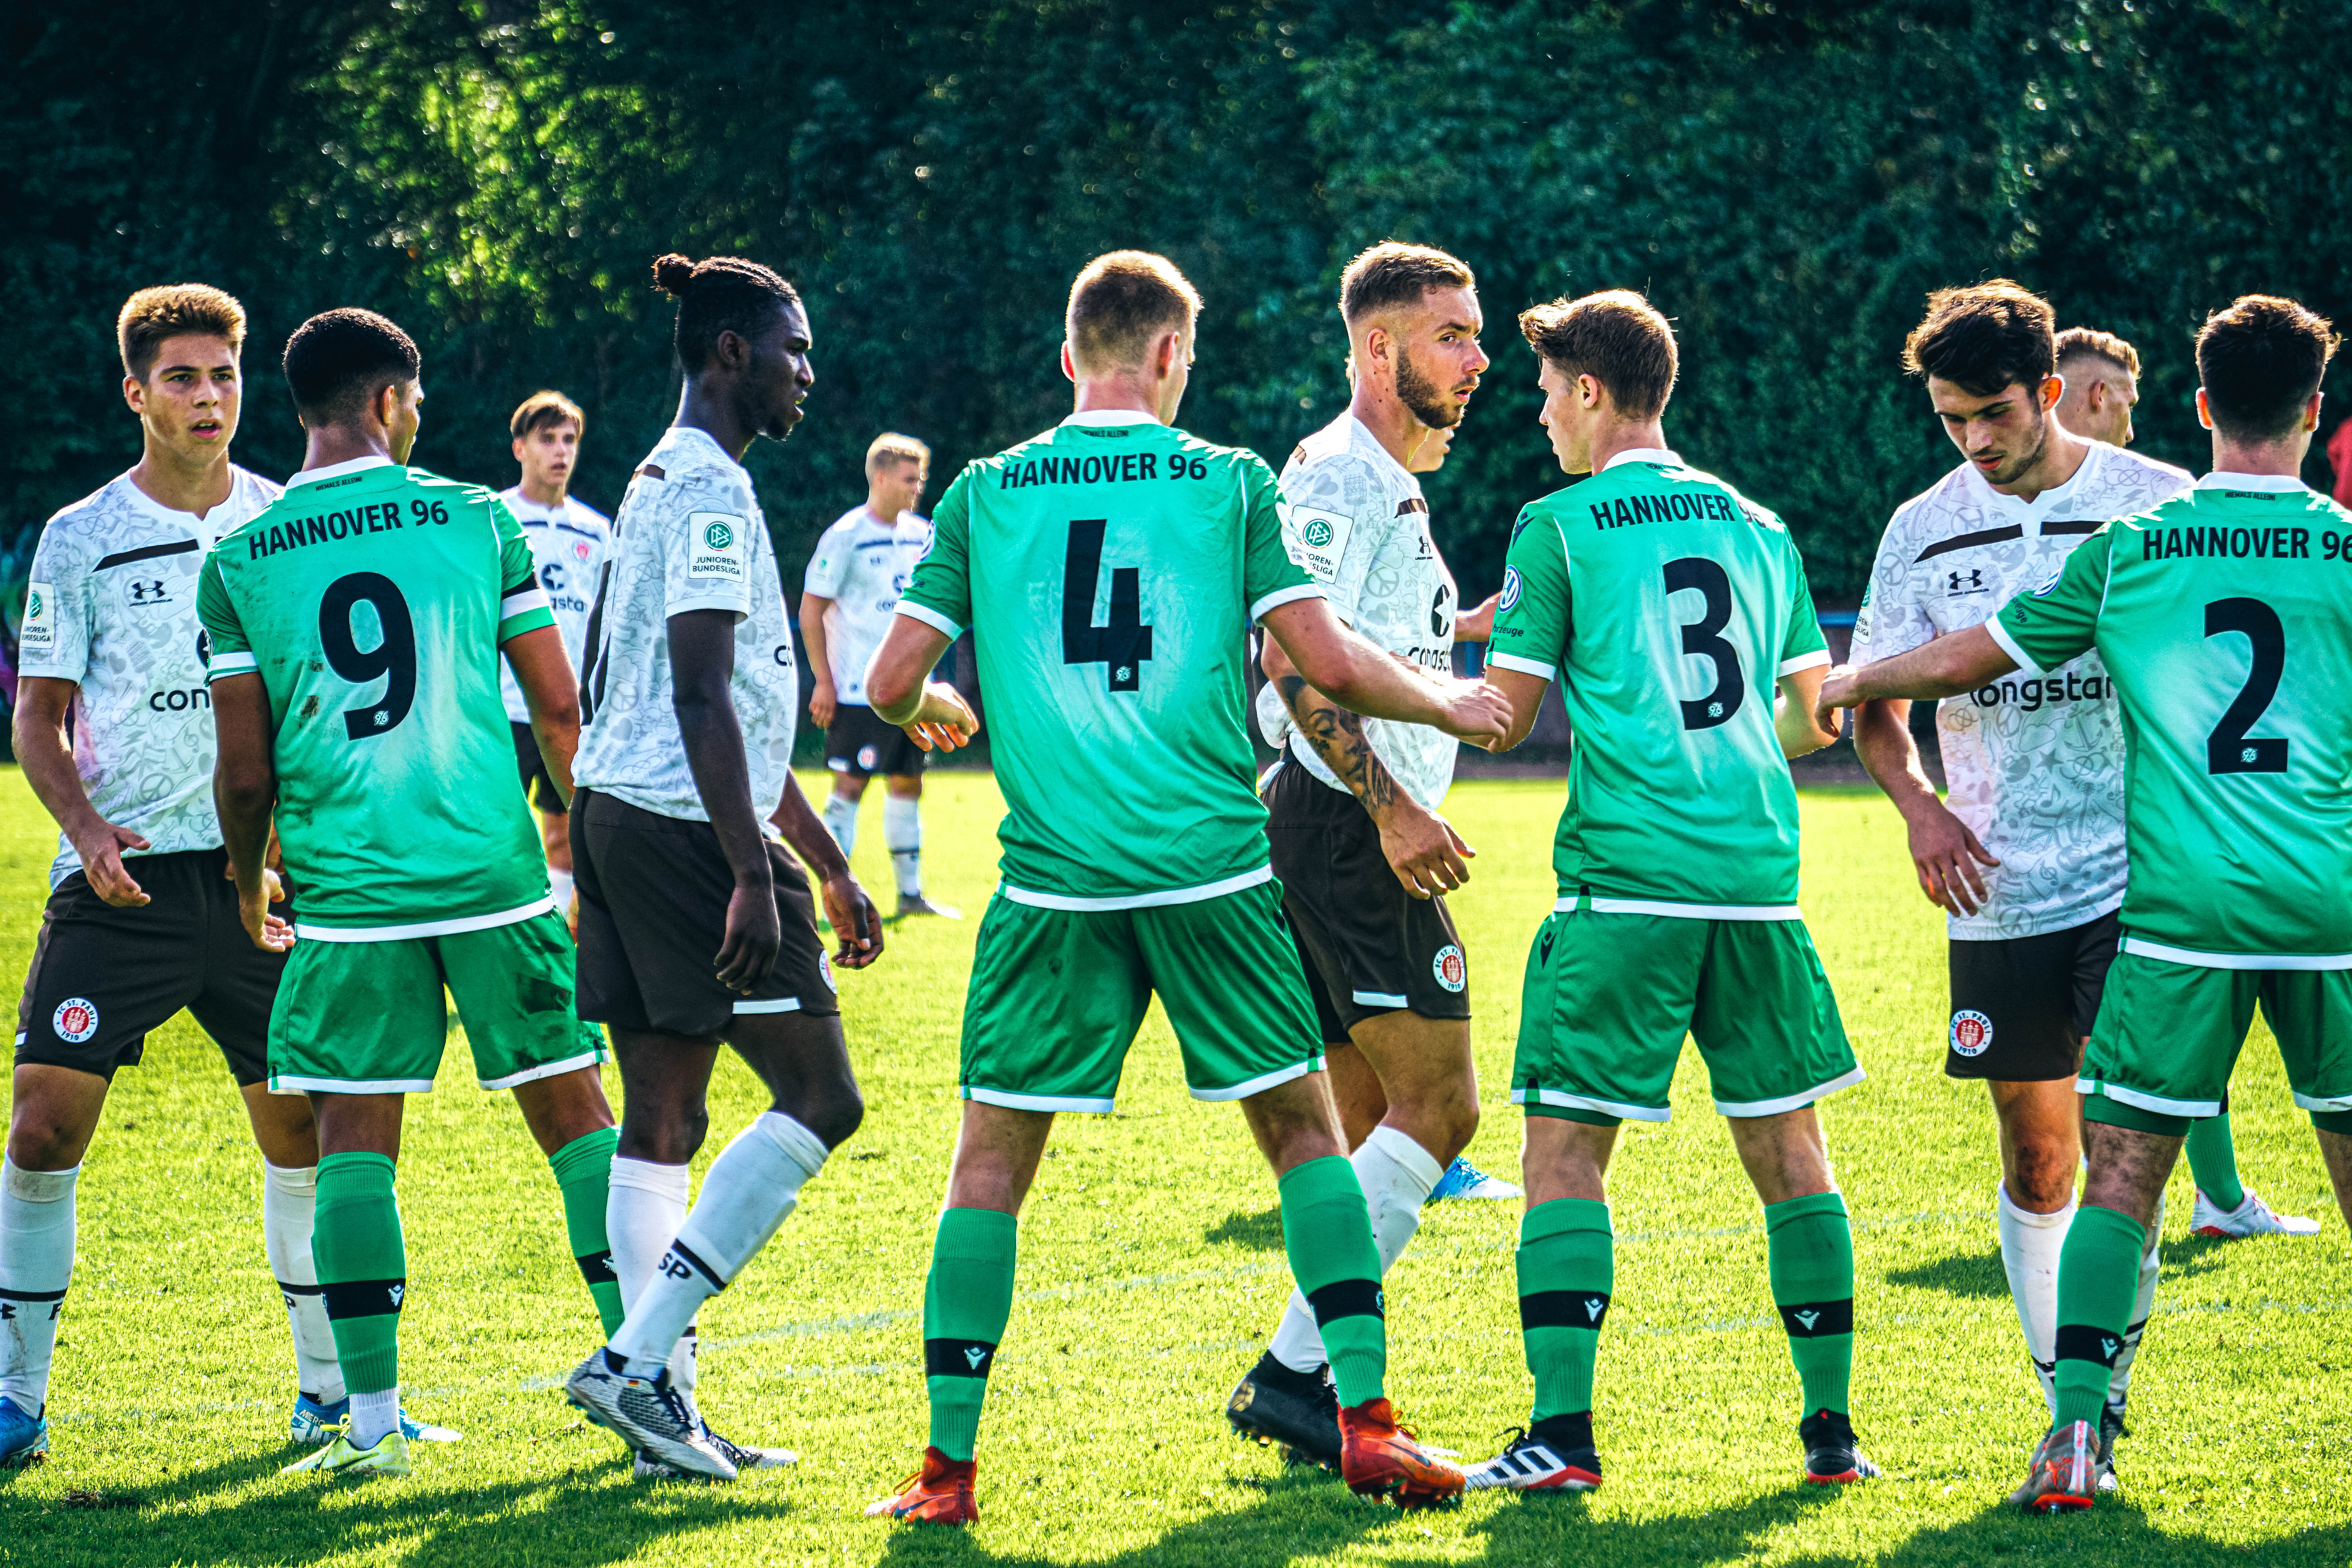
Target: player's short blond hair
x=167 y=311
x=1392 y=273
x=545 y=411
x=1121 y=303
x=1617 y=338
x=2088 y=342
x=891 y=448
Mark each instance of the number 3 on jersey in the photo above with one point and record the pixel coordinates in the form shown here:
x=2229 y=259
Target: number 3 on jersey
x=1703 y=638
x=392 y=660
x=1124 y=643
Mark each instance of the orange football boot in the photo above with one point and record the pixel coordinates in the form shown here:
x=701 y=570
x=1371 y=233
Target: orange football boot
x=1380 y=1458
x=939 y=1494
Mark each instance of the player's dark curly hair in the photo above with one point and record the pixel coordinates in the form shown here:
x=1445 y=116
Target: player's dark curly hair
x=720 y=294
x=338 y=360
x=1985 y=337
x=2260 y=361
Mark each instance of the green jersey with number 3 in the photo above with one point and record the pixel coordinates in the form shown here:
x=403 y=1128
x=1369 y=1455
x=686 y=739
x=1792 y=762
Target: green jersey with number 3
x=373 y=599
x=2225 y=619
x=1667 y=607
x=1109 y=570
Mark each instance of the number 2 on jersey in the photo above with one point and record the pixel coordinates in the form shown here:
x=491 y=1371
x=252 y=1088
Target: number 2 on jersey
x=1124 y=643
x=2228 y=749
x=392 y=660
x=1703 y=637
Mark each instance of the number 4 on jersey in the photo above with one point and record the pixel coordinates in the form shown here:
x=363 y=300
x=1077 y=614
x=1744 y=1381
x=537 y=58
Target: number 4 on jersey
x=1124 y=643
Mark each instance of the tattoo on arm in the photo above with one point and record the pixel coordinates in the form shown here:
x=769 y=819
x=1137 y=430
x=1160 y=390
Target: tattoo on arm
x=1338 y=738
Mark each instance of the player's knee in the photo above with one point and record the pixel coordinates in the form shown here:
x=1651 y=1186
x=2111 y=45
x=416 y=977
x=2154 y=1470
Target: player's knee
x=835 y=1117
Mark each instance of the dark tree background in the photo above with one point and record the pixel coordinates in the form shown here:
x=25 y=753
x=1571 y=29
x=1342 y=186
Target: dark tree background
x=1787 y=179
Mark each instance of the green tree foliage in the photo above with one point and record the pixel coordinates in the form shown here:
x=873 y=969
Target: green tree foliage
x=1785 y=180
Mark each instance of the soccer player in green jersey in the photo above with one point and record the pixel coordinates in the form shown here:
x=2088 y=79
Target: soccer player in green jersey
x=2224 y=616
x=356 y=626
x=1109 y=570
x=1675 y=615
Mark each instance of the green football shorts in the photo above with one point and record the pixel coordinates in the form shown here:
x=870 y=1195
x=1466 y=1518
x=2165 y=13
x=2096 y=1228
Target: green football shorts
x=367 y=1018
x=2169 y=1034
x=1609 y=997
x=1056 y=995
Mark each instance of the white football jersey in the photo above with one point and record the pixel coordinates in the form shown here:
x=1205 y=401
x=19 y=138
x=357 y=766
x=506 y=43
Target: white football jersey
x=863 y=566
x=568 y=545
x=1357 y=521
x=111 y=607
x=2035 y=767
x=690 y=536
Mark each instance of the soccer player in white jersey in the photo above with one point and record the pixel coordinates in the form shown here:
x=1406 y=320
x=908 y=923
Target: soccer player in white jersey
x=2102 y=376
x=860 y=567
x=2026 y=854
x=142 y=917
x=569 y=539
x=696 y=925
x=1363 y=857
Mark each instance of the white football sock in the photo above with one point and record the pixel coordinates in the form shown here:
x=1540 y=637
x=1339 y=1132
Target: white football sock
x=902 y=830
x=2030 y=1245
x=288 y=1196
x=372 y=1415
x=36 y=1259
x=643 y=1207
x=841 y=821
x=2119 y=1385
x=1396 y=1175
x=755 y=1181
x=559 y=882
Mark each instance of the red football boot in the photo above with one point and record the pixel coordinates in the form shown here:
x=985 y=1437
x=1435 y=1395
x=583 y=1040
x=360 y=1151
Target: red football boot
x=939 y=1494
x=1380 y=1458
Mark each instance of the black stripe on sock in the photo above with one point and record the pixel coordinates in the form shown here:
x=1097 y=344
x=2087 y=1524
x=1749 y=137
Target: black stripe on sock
x=1347 y=1299
x=364 y=1298
x=2086 y=1342
x=678 y=1251
x=32 y=1295
x=286 y=1290
x=1563 y=1309
x=1815 y=1320
x=596 y=1268
x=957 y=1358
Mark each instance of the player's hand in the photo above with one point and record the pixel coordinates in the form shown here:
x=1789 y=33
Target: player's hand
x=943 y=722
x=100 y=847
x=1422 y=849
x=1840 y=688
x=855 y=920
x=1474 y=711
x=754 y=937
x=1946 y=856
x=823 y=703
x=271 y=933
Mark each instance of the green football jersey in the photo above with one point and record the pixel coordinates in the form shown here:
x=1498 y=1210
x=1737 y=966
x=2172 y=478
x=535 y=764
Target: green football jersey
x=1667 y=607
x=1109 y=571
x=2224 y=616
x=373 y=600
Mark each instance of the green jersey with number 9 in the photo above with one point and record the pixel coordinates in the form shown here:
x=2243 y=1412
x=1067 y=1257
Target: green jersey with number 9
x=1109 y=571
x=1667 y=607
x=2224 y=616
x=373 y=599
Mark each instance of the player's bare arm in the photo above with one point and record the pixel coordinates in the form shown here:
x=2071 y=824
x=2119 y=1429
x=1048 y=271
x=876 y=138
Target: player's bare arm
x=1359 y=676
x=1944 y=851
x=847 y=908
x=1944 y=668
x=1795 y=719
x=245 y=789
x=897 y=684
x=42 y=704
x=702 y=661
x=824 y=702
x=1477 y=625
x=1421 y=847
x=1525 y=693
x=552 y=690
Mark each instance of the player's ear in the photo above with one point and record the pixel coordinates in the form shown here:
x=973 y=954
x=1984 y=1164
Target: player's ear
x=1069 y=363
x=2054 y=387
x=2204 y=413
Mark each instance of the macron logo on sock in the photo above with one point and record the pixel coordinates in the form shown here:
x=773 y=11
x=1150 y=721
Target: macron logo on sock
x=1594 y=1307
x=974 y=1354
x=1809 y=1318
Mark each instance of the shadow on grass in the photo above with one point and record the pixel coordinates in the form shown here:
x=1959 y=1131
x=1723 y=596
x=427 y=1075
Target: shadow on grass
x=1262 y=1232
x=2115 y=1532
x=1965 y=1274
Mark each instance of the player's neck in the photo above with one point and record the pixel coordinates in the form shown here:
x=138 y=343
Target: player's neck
x=539 y=494
x=334 y=444
x=716 y=418
x=2062 y=456
x=880 y=510
x=2282 y=458
x=1130 y=392
x=170 y=481
x=1397 y=428
x=1627 y=436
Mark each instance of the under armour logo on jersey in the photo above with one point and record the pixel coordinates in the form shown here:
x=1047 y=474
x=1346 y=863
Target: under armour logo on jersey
x=147 y=591
x=1968 y=582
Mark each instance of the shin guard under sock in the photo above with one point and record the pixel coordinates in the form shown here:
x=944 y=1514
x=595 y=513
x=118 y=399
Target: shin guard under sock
x=1808 y=1242
x=36 y=1259
x=1327 y=1231
x=966 y=1302
x=2099 y=1275
x=1567 y=1267
x=2213 y=1162
x=584 y=1170
x=1396 y=1175
x=362 y=1266
x=290 y=1202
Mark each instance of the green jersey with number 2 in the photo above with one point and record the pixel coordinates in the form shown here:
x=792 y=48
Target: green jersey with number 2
x=2225 y=618
x=1667 y=607
x=1108 y=571
x=373 y=599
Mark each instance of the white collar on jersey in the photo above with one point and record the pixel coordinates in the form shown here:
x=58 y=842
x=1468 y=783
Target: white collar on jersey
x=155 y=511
x=1643 y=455
x=2222 y=480
x=337 y=470
x=1108 y=416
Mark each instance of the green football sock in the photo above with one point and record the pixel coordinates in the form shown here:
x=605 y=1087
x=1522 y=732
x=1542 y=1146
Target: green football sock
x=1809 y=1243
x=2214 y=1161
x=2098 y=1279
x=362 y=1266
x=584 y=1170
x=1568 y=1266
x=966 y=1303
x=1326 y=1230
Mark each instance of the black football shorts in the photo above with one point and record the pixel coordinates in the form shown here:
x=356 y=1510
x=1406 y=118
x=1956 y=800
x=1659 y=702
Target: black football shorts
x=2022 y=1006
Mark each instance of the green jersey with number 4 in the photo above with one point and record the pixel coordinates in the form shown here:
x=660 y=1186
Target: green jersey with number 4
x=373 y=599
x=1667 y=607
x=2225 y=619
x=1109 y=570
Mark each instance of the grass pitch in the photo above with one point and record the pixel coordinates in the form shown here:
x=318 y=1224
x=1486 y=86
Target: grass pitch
x=1151 y=1271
